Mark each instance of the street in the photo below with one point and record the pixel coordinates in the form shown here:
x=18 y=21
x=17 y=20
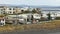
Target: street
x=32 y=32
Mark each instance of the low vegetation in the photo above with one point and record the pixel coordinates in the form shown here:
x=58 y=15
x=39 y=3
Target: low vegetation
x=57 y=18
x=48 y=25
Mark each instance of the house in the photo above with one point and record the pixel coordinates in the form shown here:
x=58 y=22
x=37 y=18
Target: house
x=28 y=18
x=17 y=10
x=25 y=8
x=57 y=14
x=13 y=19
x=54 y=10
x=23 y=18
x=2 y=11
x=9 y=10
x=52 y=15
x=37 y=16
x=2 y=20
x=12 y=10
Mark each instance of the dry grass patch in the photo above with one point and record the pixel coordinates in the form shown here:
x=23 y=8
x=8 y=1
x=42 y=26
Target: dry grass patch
x=47 y=25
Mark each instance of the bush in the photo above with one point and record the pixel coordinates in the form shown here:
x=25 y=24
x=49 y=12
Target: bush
x=57 y=18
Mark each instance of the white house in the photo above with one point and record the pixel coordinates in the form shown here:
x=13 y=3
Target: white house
x=1 y=11
x=55 y=11
x=2 y=21
x=25 y=8
x=37 y=16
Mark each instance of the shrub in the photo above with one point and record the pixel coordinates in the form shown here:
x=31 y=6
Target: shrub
x=57 y=18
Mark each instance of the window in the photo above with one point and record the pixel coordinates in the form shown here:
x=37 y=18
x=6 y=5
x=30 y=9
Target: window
x=1 y=9
x=3 y=19
x=13 y=8
x=22 y=10
x=9 y=12
x=6 y=17
x=4 y=9
x=14 y=12
x=3 y=12
x=13 y=21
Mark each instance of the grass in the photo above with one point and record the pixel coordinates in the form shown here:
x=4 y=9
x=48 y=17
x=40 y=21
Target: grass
x=46 y=25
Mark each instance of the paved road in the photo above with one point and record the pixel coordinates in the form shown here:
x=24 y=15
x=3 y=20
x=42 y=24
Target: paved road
x=32 y=32
x=29 y=32
x=26 y=32
x=55 y=33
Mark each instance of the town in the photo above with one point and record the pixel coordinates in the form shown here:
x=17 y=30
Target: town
x=27 y=15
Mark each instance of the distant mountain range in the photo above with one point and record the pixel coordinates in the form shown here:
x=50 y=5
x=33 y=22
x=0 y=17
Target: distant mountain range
x=41 y=6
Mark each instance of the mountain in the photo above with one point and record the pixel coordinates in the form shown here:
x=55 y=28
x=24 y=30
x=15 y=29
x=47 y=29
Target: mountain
x=41 y=6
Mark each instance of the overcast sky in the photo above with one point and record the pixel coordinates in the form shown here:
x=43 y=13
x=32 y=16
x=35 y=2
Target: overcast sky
x=32 y=2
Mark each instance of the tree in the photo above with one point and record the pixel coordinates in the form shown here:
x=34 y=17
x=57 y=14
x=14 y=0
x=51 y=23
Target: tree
x=26 y=11
x=34 y=11
x=49 y=16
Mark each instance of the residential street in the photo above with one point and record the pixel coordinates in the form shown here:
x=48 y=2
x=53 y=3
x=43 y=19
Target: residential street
x=30 y=32
x=33 y=32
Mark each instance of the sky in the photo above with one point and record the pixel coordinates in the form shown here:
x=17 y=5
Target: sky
x=32 y=2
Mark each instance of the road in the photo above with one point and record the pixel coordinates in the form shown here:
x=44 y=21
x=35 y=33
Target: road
x=32 y=32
